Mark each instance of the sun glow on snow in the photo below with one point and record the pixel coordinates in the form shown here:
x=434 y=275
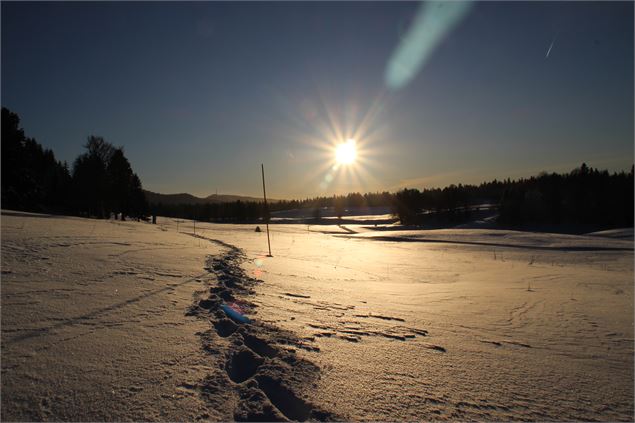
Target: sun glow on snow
x=346 y=153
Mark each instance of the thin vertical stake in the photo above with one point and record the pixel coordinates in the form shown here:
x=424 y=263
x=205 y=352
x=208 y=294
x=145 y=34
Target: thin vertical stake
x=264 y=193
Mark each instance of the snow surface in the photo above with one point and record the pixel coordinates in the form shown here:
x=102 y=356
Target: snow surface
x=105 y=320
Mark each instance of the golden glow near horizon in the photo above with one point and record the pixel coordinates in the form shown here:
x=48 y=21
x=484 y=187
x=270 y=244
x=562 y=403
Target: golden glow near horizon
x=346 y=153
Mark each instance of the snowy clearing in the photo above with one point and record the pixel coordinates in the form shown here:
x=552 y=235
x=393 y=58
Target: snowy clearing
x=106 y=320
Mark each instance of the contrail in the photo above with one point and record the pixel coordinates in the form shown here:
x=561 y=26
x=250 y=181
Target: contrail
x=550 y=47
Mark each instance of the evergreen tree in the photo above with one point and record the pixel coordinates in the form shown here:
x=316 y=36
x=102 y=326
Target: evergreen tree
x=120 y=181
x=32 y=179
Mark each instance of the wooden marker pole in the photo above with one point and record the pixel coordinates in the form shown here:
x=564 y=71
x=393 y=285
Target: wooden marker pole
x=264 y=192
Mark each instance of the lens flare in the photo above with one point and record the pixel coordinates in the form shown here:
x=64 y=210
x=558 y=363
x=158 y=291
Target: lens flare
x=432 y=23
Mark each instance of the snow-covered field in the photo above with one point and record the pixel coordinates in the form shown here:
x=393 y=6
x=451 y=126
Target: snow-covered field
x=105 y=320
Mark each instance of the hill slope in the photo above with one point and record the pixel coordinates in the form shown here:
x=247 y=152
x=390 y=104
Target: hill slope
x=184 y=198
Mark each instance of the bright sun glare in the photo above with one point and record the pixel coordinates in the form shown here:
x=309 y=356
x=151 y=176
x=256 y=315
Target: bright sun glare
x=346 y=153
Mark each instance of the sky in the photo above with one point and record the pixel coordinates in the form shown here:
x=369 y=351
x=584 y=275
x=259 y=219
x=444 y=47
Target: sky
x=201 y=93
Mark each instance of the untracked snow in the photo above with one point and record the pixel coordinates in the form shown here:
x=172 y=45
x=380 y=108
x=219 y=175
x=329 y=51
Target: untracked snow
x=107 y=320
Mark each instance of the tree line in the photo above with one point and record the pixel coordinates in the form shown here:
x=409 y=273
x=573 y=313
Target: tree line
x=101 y=182
x=582 y=196
x=253 y=211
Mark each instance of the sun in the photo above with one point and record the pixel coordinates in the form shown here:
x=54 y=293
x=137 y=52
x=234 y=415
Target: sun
x=346 y=153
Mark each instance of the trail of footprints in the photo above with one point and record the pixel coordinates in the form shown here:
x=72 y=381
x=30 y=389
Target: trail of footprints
x=260 y=359
x=266 y=377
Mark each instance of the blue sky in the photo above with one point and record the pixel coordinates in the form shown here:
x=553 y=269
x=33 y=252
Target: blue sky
x=201 y=93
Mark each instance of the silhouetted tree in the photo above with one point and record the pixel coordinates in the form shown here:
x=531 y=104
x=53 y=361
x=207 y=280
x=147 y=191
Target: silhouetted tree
x=32 y=179
x=406 y=205
x=138 y=205
x=90 y=185
x=102 y=179
x=119 y=176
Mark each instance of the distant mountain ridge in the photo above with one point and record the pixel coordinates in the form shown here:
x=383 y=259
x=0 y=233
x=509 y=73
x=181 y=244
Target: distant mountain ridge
x=185 y=198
